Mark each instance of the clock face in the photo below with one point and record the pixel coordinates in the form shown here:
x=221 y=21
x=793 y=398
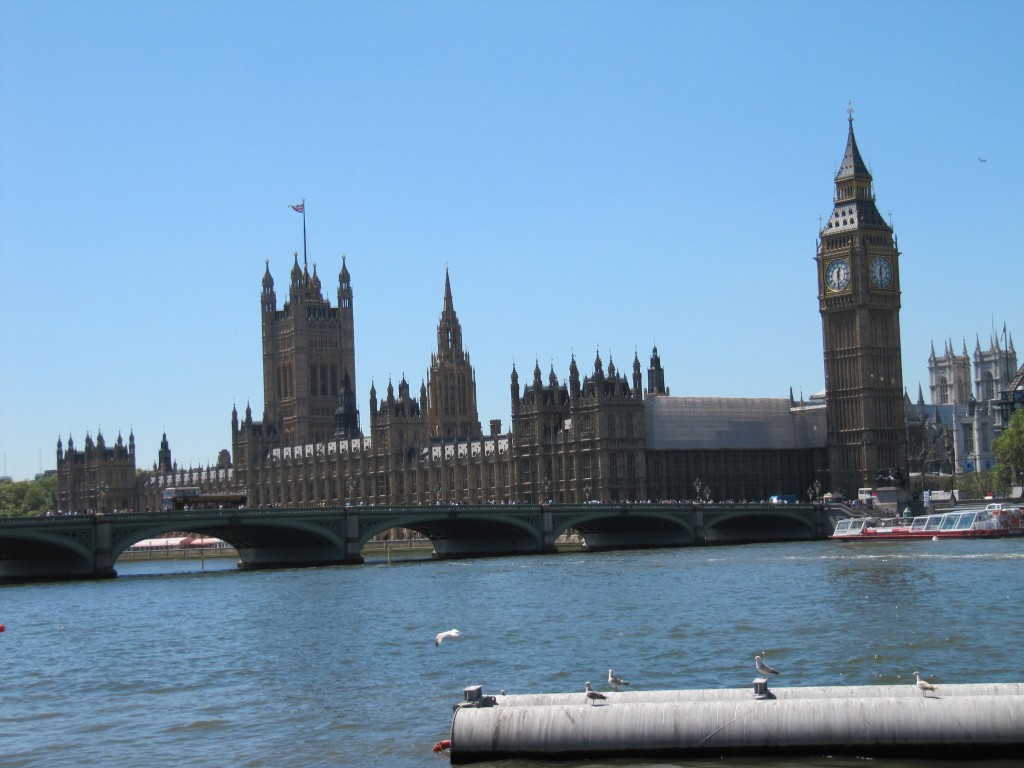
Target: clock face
x=837 y=275
x=881 y=272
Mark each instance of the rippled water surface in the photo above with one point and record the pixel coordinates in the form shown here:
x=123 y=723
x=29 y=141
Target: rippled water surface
x=171 y=665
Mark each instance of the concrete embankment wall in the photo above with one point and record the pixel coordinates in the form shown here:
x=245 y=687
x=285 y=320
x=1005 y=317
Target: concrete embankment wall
x=868 y=721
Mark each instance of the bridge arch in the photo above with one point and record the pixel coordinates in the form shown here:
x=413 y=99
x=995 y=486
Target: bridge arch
x=260 y=541
x=626 y=526
x=44 y=554
x=760 y=522
x=461 y=531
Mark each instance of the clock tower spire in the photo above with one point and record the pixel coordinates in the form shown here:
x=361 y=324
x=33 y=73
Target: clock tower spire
x=859 y=302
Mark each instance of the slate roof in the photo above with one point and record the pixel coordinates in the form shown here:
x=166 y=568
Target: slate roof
x=732 y=423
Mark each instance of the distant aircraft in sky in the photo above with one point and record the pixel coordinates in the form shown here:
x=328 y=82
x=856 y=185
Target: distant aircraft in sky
x=982 y=159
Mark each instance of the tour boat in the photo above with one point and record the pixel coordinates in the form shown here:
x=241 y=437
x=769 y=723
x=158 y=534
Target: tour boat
x=993 y=522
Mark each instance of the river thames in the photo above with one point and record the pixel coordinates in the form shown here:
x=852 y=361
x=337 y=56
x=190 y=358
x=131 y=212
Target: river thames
x=182 y=663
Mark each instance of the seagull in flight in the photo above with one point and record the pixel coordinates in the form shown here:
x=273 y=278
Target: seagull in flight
x=441 y=636
x=615 y=682
x=763 y=668
x=591 y=694
x=923 y=685
x=982 y=159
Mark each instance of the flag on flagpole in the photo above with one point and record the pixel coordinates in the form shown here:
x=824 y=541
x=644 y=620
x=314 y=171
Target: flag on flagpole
x=301 y=208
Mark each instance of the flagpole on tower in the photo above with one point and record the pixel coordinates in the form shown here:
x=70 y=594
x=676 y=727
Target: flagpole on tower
x=301 y=208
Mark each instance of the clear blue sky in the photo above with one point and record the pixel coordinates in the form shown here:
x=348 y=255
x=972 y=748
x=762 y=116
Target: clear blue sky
x=595 y=175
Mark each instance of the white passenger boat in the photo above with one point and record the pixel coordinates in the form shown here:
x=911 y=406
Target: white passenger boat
x=994 y=521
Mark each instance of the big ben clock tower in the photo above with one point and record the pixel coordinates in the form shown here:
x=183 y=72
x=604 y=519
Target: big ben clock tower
x=859 y=301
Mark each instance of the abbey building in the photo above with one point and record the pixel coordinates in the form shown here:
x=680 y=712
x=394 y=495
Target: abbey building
x=971 y=399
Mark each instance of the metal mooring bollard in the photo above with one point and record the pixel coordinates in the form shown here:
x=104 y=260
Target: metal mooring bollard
x=761 y=688
x=473 y=696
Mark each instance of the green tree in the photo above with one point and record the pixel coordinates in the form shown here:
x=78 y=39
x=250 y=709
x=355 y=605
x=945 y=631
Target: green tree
x=976 y=484
x=1009 y=450
x=28 y=497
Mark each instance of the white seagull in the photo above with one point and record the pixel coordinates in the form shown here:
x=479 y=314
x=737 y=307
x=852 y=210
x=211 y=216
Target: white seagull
x=763 y=668
x=923 y=685
x=445 y=635
x=591 y=694
x=615 y=682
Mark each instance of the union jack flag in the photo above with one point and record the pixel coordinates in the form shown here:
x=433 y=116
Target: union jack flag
x=300 y=208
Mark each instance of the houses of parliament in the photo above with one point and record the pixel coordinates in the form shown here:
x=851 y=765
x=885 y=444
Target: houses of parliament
x=603 y=433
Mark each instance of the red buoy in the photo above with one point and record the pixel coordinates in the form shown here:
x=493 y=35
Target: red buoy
x=442 y=745
x=2 y=627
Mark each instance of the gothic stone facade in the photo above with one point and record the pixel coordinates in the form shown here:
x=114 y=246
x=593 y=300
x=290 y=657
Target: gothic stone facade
x=580 y=440
x=98 y=478
x=598 y=437
x=954 y=433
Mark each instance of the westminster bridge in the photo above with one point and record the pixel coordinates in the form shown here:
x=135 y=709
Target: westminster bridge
x=87 y=546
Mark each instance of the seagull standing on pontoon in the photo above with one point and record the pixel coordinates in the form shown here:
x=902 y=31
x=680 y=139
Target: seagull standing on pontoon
x=441 y=636
x=763 y=668
x=923 y=685
x=615 y=682
x=591 y=694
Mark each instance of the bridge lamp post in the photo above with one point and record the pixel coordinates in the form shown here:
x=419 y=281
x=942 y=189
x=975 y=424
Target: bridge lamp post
x=348 y=491
x=547 y=488
x=101 y=495
x=814 y=492
x=822 y=474
x=586 y=492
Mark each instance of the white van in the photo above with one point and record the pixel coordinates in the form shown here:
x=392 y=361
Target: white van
x=864 y=494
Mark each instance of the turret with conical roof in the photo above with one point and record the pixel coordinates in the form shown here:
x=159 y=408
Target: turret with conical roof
x=515 y=385
x=163 y=460
x=451 y=412
x=656 y=375
x=449 y=331
x=854 y=200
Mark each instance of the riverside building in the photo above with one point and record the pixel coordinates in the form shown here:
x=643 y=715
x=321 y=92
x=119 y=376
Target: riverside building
x=597 y=434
